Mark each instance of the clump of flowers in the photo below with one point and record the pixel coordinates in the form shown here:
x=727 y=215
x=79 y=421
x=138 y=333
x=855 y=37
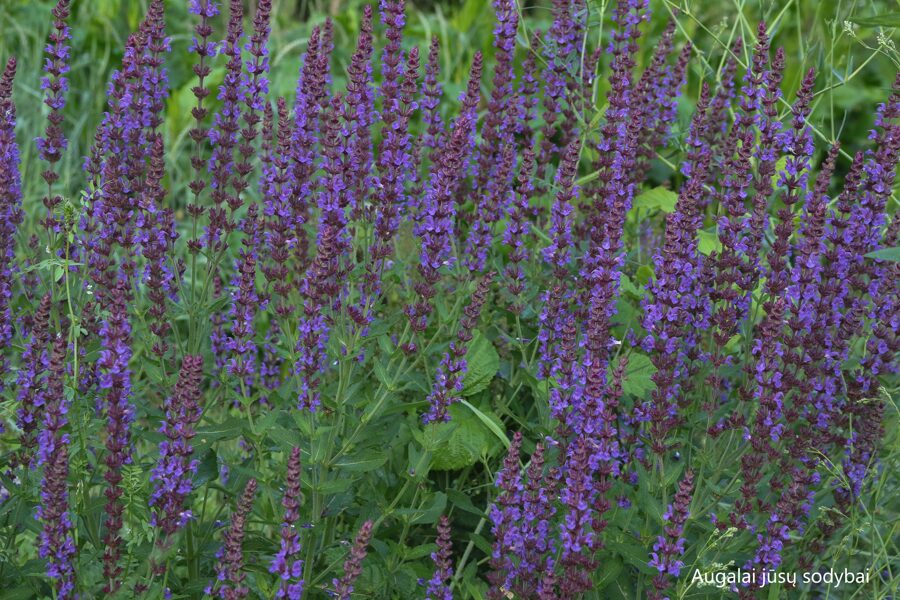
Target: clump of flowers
x=567 y=311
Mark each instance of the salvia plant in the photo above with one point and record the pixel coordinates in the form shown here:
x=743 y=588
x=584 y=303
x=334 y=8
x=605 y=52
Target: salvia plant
x=567 y=334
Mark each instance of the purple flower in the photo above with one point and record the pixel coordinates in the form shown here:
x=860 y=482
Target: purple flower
x=527 y=93
x=506 y=514
x=157 y=235
x=115 y=379
x=224 y=135
x=439 y=584
x=619 y=133
x=229 y=583
x=173 y=473
x=11 y=214
x=55 y=84
x=343 y=587
x=432 y=92
x=522 y=525
x=359 y=115
x=205 y=51
x=496 y=132
x=448 y=381
x=669 y=548
x=676 y=308
x=558 y=257
x=577 y=540
x=434 y=225
x=287 y=563
x=323 y=284
x=489 y=211
x=517 y=231
x=30 y=380
x=656 y=95
x=57 y=544
x=245 y=304
x=307 y=106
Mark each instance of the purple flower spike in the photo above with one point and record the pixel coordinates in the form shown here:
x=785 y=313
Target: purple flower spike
x=439 y=584
x=518 y=232
x=57 y=545
x=432 y=92
x=230 y=575
x=205 y=51
x=448 y=381
x=287 y=563
x=434 y=225
x=35 y=362
x=55 y=84
x=676 y=308
x=669 y=548
x=343 y=587
x=245 y=304
x=226 y=185
x=172 y=476
x=11 y=214
x=115 y=379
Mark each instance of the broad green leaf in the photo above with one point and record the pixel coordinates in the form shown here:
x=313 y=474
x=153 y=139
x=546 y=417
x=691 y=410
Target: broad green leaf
x=283 y=437
x=419 y=551
x=367 y=460
x=382 y=376
x=659 y=198
x=891 y=254
x=334 y=486
x=643 y=275
x=610 y=572
x=207 y=470
x=426 y=515
x=463 y=502
x=709 y=242
x=469 y=439
x=634 y=553
x=492 y=424
x=433 y=512
x=482 y=363
x=626 y=285
x=637 y=375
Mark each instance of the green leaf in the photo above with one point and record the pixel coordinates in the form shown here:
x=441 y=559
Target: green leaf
x=467 y=440
x=207 y=470
x=633 y=553
x=891 y=254
x=420 y=551
x=492 y=424
x=217 y=431
x=433 y=512
x=382 y=376
x=626 y=285
x=709 y=242
x=482 y=363
x=643 y=275
x=334 y=486
x=367 y=460
x=283 y=437
x=638 y=375
x=463 y=502
x=659 y=198
x=886 y=20
x=610 y=572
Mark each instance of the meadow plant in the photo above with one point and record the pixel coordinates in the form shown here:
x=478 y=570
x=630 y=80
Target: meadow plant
x=315 y=371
